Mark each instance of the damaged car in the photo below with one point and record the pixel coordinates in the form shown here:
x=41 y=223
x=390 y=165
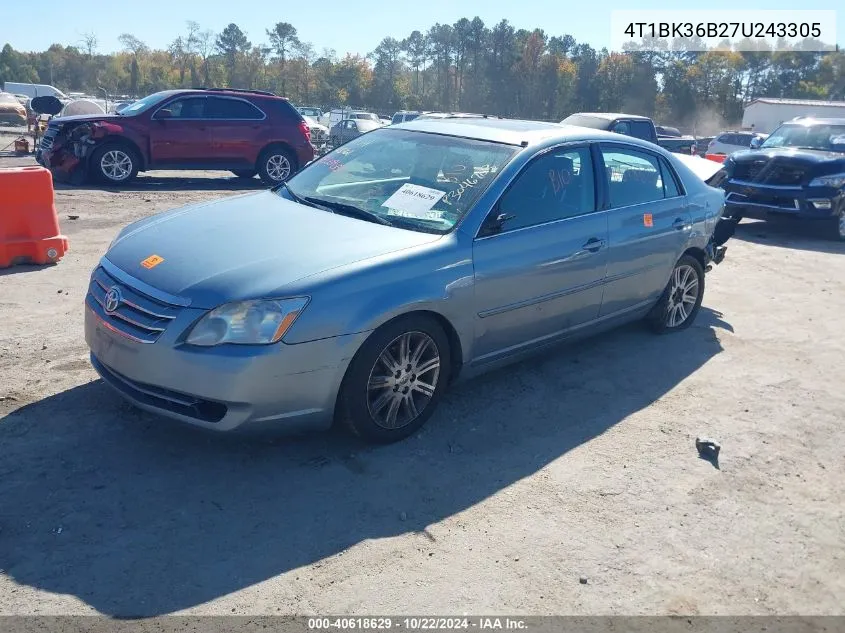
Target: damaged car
x=245 y=132
x=409 y=257
x=797 y=173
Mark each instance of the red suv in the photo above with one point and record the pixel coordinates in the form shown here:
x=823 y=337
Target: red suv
x=244 y=131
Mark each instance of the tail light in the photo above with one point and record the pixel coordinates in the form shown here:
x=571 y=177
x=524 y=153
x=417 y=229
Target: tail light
x=303 y=127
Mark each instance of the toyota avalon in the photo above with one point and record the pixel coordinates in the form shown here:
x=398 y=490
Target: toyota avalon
x=383 y=271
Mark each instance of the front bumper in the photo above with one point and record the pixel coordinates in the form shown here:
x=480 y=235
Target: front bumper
x=279 y=387
x=762 y=202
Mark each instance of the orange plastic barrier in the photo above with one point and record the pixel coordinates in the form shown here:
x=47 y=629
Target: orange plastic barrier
x=29 y=225
x=719 y=158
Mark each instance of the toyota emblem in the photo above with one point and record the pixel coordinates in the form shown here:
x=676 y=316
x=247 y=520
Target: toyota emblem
x=113 y=299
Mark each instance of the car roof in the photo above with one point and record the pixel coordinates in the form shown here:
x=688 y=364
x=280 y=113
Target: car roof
x=817 y=121
x=512 y=131
x=611 y=116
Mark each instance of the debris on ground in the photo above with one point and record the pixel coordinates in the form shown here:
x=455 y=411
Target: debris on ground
x=708 y=450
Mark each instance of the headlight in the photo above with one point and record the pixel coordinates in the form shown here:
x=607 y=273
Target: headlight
x=837 y=181
x=260 y=322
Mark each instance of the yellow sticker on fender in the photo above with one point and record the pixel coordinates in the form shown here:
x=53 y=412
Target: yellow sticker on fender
x=152 y=261
x=648 y=220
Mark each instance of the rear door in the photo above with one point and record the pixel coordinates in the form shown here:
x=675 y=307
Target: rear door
x=648 y=225
x=541 y=272
x=180 y=133
x=236 y=125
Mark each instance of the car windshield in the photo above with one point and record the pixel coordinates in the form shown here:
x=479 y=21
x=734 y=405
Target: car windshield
x=147 y=102
x=415 y=180
x=828 y=137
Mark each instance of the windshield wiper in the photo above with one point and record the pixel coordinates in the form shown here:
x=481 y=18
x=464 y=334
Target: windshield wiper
x=295 y=197
x=349 y=209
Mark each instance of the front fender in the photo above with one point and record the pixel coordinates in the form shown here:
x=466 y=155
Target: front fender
x=441 y=282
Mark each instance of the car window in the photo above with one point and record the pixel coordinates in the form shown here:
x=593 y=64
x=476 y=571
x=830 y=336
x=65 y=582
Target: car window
x=449 y=172
x=397 y=118
x=633 y=177
x=621 y=127
x=555 y=186
x=220 y=108
x=187 y=108
x=670 y=180
x=641 y=129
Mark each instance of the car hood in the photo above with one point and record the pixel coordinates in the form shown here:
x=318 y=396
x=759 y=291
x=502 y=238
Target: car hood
x=85 y=118
x=797 y=156
x=249 y=246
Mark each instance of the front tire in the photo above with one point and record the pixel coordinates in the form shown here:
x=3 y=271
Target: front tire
x=275 y=165
x=115 y=163
x=837 y=229
x=244 y=173
x=396 y=380
x=681 y=300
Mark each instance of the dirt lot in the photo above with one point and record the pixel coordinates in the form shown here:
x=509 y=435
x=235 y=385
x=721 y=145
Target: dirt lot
x=577 y=464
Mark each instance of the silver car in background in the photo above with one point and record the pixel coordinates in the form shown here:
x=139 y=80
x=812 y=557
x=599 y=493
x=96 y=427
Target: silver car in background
x=384 y=271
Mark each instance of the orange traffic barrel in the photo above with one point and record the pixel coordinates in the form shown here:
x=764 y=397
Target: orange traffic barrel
x=29 y=224
x=719 y=158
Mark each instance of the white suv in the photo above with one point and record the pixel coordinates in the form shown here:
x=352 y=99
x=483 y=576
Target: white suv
x=730 y=142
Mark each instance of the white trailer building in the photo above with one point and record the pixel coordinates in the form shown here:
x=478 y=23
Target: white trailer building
x=764 y=115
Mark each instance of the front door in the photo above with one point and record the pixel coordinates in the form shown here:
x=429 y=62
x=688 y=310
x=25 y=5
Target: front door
x=540 y=270
x=648 y=223
x=180 y=135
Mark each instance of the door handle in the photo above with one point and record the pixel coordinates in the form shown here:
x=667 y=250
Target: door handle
x=593 y=245
x=590 y=247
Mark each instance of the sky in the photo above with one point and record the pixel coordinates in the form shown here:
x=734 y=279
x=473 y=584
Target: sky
x=354 y=26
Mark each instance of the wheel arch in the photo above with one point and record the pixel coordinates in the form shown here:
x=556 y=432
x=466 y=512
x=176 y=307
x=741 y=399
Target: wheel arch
x=114 y=139
x=698 y=254
x=285 y=146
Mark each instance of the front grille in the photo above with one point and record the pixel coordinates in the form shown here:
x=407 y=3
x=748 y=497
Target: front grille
x=770 y=173
x=182 y=404
x=785 y=175
x=749 y=170
x=137 y=317
x=47 y=140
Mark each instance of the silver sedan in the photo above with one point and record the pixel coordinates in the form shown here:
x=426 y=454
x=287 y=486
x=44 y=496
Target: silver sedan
x=404 y=260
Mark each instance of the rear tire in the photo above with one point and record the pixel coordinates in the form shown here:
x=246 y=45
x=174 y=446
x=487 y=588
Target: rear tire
x=396 y=380
x=115 y=163
x=681 y=300
x=275 y=165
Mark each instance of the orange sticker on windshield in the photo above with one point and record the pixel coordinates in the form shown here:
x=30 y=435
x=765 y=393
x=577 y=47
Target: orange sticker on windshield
x=152 y=261
x=648 y=220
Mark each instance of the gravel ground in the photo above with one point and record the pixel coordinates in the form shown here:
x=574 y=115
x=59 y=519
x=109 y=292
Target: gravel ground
x=579 y=465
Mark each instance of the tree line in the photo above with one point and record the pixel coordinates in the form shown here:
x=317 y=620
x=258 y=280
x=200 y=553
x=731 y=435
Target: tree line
x=465 y=66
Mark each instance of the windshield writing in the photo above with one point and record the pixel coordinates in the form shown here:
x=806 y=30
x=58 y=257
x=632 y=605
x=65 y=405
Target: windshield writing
x=821 y=137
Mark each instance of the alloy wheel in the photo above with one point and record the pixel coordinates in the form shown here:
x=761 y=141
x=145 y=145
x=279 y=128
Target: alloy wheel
x=683 y=295
x=116 y=165
x=841 y=225
x=403 y=380
x=278 y=167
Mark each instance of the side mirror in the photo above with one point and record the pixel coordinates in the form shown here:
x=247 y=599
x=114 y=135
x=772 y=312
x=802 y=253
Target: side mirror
x=494 y=224
x=164 y=113
x=756 y=142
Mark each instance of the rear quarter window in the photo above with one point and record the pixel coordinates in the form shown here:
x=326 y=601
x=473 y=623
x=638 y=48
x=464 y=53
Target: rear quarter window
x=281 y=109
